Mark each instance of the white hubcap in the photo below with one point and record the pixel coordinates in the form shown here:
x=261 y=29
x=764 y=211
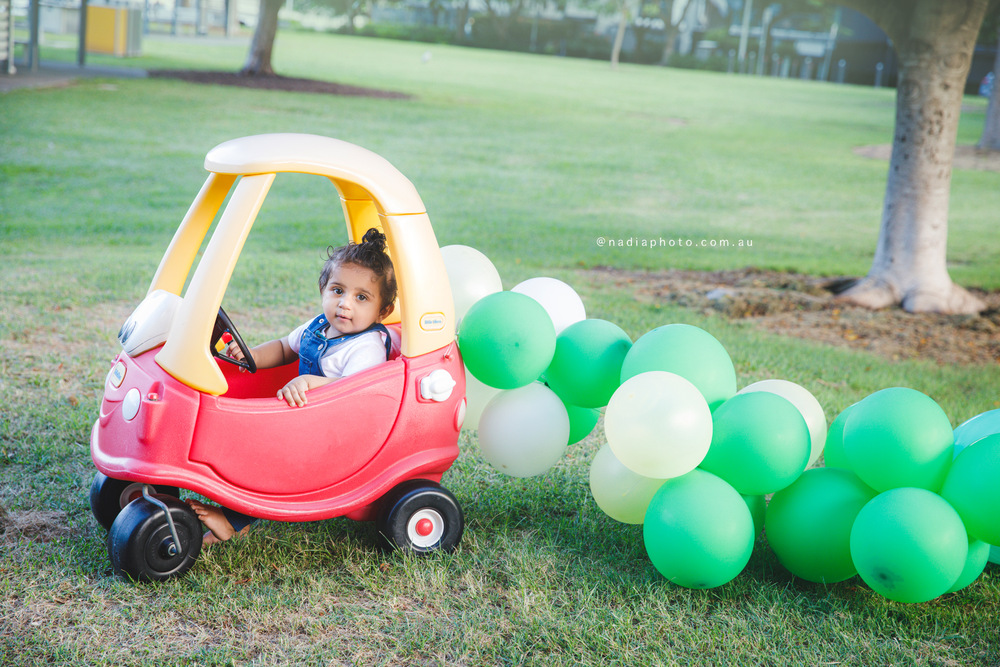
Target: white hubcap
x=425 y=528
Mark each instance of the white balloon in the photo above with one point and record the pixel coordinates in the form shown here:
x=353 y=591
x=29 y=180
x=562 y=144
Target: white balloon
x=559 y=300
x=807 y=405
x=523 y=432
x=471 y=275
x=620 y=493
x=658 y=424
x=477 y=395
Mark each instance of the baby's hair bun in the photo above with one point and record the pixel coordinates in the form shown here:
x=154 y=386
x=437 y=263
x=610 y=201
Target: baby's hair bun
x=376 y=238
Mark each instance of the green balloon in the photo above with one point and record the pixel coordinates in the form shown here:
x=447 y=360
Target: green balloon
x=809 y=523
x=899 y=437
x=975 y=563
x=586 y=367
x=909 y=544
x=758 y=507
x=698 y=531
x=973 y=488
x=507 y=340
x=582 y=421
x=760 y=443
x=620 y=493
x=833 y=452
x=977 y=428
x=693 y=353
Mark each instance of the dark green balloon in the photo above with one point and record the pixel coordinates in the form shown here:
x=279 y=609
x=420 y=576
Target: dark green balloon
x=973 y=488
x=760 y=443
x=698 y=531
x=586 y=367
x=691 y=352
x=909 y=545
x=833 y=451
x=809 y=523
x=507 y=340
x=899 y=437
x=581 y=422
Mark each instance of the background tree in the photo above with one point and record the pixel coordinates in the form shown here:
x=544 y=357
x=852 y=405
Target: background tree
x=258 y=62
x=934 y=41
x=991 y=128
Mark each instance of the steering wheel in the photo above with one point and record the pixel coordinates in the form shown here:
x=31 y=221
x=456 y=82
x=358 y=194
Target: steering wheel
x=222 y=325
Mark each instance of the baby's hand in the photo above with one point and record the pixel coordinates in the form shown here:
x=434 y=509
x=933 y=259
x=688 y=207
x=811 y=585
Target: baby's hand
x=294 y=392
x=233 y=350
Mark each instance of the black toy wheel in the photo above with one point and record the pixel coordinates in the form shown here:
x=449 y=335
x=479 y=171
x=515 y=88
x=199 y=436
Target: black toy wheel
x=142 y=547
x=420 y=516
x=223 y=324
x=108 y=496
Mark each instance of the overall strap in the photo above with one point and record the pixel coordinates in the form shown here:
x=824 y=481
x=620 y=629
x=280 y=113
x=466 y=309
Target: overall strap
x=311 y=351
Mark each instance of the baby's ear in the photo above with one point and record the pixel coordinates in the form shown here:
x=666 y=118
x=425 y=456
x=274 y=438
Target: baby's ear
x=387 y=311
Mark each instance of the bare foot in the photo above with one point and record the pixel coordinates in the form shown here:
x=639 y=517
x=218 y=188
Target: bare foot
x=215 y=520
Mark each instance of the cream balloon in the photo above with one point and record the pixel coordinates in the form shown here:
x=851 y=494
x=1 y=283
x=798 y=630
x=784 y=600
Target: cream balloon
x=806 y=404
x=477 y=395
x=622 y=494
x=658 y=424
x=559 y=300
x=471 y=275
x=523 y=432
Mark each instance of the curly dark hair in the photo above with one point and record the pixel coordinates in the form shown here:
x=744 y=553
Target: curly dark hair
x=370 y=254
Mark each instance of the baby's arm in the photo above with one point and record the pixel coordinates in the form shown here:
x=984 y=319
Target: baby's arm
x=294 y=392
x=266 y=355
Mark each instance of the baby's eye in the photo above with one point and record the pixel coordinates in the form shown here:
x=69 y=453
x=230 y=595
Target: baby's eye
x=362 y=297
x=337 y=290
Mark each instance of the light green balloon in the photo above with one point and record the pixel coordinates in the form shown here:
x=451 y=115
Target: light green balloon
x=688 y=351
x=620 y=493
x=975 y=563
x=586 y=367
x=760 y=443
x=698 y=531
x=973 y=488
x=899 y=437
x=833 y=451
x=507 y=340
x=658 y=424
x=809 y=523
x=909 y=544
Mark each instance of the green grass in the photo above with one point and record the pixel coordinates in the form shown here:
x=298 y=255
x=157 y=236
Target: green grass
x=529 y=160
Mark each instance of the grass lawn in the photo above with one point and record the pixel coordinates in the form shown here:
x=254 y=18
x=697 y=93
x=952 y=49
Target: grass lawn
x=531 y=160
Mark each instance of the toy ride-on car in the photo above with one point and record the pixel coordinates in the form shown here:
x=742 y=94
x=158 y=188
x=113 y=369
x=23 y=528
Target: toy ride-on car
x=372 y=446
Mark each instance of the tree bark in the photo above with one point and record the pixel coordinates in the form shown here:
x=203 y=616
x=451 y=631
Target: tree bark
x=258 y=62
x=990 y=140
x=934 y=41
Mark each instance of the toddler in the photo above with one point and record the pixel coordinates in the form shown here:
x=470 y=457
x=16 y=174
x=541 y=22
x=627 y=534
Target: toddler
x=358 y=289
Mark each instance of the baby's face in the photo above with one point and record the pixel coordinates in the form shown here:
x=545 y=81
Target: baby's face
x=351 y=299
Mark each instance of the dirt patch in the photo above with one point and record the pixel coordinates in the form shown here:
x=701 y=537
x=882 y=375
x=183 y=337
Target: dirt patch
x=805 y=307
x=966 y=157
x=274 y=82
x=35 y=525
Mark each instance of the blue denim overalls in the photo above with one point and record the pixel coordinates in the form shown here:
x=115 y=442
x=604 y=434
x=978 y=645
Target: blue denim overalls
x=314 y=343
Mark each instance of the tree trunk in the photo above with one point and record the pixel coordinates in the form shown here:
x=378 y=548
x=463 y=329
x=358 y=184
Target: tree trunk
x=258 y=61
x=934 y=41
x=990 y=140
x=669 y=44
x=616 y=48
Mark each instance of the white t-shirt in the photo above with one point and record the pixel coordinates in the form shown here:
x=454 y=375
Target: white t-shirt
x=345 y=358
